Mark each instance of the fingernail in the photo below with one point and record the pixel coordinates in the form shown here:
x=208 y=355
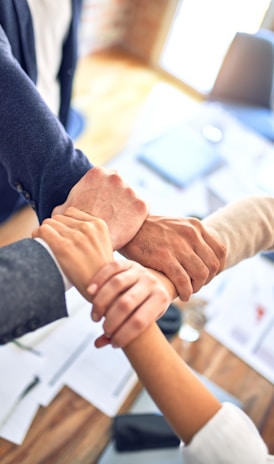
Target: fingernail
x=92 y=289
x=95 y=317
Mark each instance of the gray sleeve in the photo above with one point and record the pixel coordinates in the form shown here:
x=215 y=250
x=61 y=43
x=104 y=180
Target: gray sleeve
x=32 y=289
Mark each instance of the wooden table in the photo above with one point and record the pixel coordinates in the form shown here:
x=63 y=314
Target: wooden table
x=71 y=431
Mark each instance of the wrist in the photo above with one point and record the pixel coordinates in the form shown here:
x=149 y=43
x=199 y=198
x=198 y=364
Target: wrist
x=66 y=281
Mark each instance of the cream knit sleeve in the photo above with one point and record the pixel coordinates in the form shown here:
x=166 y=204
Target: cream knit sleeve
x=245 y=227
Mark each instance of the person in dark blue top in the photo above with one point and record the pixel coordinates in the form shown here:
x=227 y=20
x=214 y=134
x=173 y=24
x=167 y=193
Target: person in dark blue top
x=40 y=165
x=32 y=139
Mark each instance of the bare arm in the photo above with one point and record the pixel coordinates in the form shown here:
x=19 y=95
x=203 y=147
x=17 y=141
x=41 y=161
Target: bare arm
x=196 y=416
x=179 y=394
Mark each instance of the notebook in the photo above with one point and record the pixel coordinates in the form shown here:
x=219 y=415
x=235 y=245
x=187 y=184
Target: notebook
x=181 y=155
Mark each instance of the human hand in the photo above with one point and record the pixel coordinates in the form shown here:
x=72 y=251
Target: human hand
x=130 y=297
x=181 y=248
x=104 y=194
x=80 y=243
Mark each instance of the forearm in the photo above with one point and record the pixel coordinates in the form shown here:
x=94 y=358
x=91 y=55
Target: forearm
x=38 y=155
x=179 y=394
x=245 y=227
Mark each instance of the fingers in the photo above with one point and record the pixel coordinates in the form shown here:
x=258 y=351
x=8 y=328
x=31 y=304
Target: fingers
x=112 y=281
x=187 y=276
x=102 y=341
x=209 y=257
x=77 y=220
x=136 y=323
x=49 y=234
x=87 y=231
x=81 y=246
x=219 y=249
x=107 y=272
x=130 y=300
x=63 y=233
x=181 y=248
x=183 y=267
x=197 y=258
x=132 y=304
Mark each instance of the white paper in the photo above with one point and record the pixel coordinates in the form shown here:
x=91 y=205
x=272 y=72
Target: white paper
x=103 y=377
x=18 y=425
x=242 y=317
x=62 y=347
x=67 y=356
x=18 y=368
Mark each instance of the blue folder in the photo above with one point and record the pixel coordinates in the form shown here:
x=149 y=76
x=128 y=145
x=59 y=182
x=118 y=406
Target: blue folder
x=181 y=156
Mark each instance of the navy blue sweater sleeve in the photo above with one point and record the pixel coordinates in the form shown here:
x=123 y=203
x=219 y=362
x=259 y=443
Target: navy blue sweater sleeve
x=32 y=289
x=38 y=155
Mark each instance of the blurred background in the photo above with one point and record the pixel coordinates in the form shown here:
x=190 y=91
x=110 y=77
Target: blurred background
x=127 y=46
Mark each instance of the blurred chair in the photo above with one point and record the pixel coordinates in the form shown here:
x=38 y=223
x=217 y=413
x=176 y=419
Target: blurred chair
x=244 y=84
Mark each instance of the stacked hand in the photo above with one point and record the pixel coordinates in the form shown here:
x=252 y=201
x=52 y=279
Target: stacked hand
x=129 y=296
x=101 y=214
x=103 y=193
x=126 y=294
x=182 y=249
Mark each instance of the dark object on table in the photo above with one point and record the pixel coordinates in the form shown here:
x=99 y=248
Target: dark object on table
x=135 y=432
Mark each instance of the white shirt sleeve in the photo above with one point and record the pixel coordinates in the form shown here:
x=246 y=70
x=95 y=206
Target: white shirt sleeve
x=230 y=437
x=67 y=283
